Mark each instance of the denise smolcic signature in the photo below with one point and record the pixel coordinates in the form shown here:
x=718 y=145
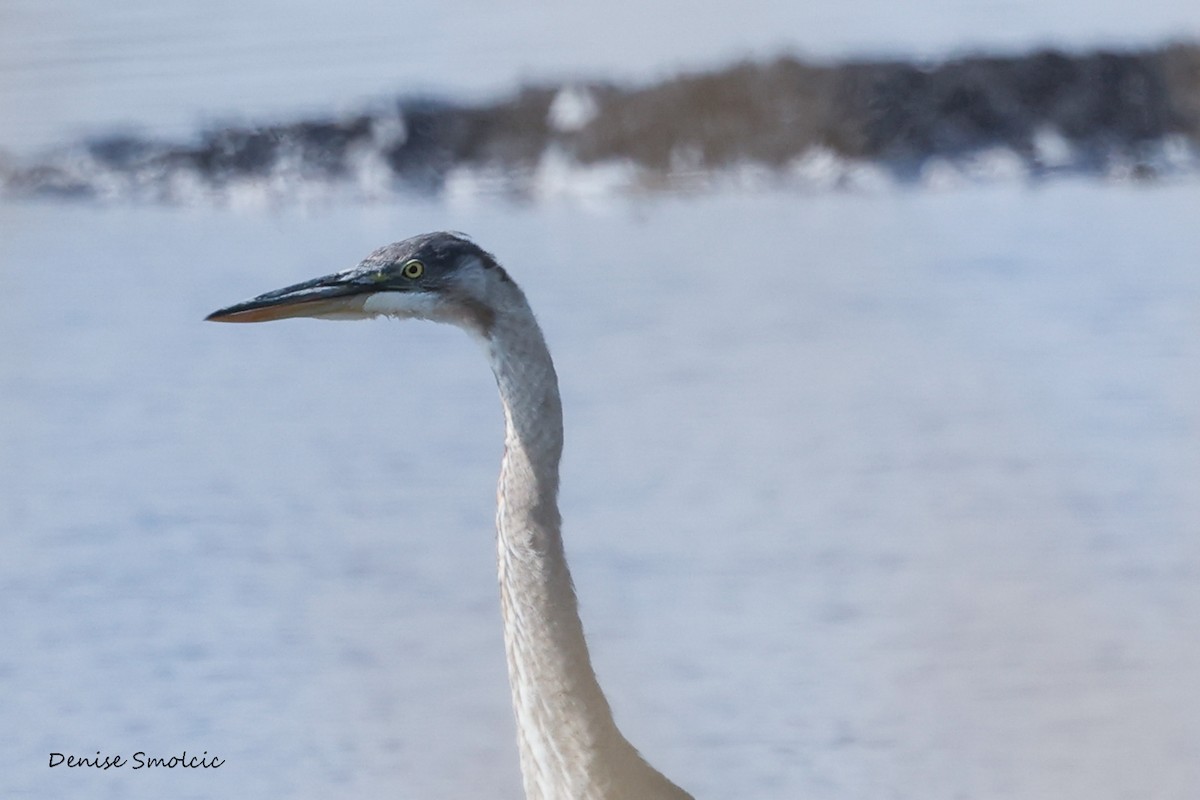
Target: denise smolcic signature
x=139 y=760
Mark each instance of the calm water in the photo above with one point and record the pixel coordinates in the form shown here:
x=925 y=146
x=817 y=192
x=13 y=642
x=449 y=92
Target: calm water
x=867 y=496
x=70 y=66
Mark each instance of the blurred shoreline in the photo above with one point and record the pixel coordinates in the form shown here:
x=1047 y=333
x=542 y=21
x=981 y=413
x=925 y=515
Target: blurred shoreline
x=1125 y=114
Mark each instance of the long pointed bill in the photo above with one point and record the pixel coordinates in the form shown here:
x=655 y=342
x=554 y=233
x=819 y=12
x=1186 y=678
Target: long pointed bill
x=338 y=295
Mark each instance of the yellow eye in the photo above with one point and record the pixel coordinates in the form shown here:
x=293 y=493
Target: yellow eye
x=413 y=269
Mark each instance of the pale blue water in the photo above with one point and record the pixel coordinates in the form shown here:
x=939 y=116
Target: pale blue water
x=866 y=496
x=69 y=67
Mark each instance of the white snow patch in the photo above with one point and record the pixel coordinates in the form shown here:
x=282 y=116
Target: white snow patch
x=572 y=109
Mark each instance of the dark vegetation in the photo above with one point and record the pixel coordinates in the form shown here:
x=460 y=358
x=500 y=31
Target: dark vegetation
x=1106 y=106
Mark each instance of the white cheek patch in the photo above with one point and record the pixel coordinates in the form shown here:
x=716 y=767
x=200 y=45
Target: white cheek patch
x=422 y=305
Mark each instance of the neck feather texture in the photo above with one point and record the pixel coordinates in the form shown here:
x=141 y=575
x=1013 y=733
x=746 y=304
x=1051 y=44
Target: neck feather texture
x=570 y=747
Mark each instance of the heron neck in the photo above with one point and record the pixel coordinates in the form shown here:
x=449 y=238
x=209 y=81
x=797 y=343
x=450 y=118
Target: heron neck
x=568 y=741
x=561 y=712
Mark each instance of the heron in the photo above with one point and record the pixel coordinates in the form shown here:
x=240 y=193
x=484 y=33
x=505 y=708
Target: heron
x=570 y=746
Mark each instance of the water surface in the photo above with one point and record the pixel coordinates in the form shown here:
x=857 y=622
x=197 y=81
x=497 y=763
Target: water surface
x=866 y=495
x=71 y=67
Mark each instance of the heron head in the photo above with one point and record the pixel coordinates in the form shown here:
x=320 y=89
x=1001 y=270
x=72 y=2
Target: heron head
x=442 y=276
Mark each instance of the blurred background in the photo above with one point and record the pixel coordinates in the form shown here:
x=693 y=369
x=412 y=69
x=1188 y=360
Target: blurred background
x=878 y=336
